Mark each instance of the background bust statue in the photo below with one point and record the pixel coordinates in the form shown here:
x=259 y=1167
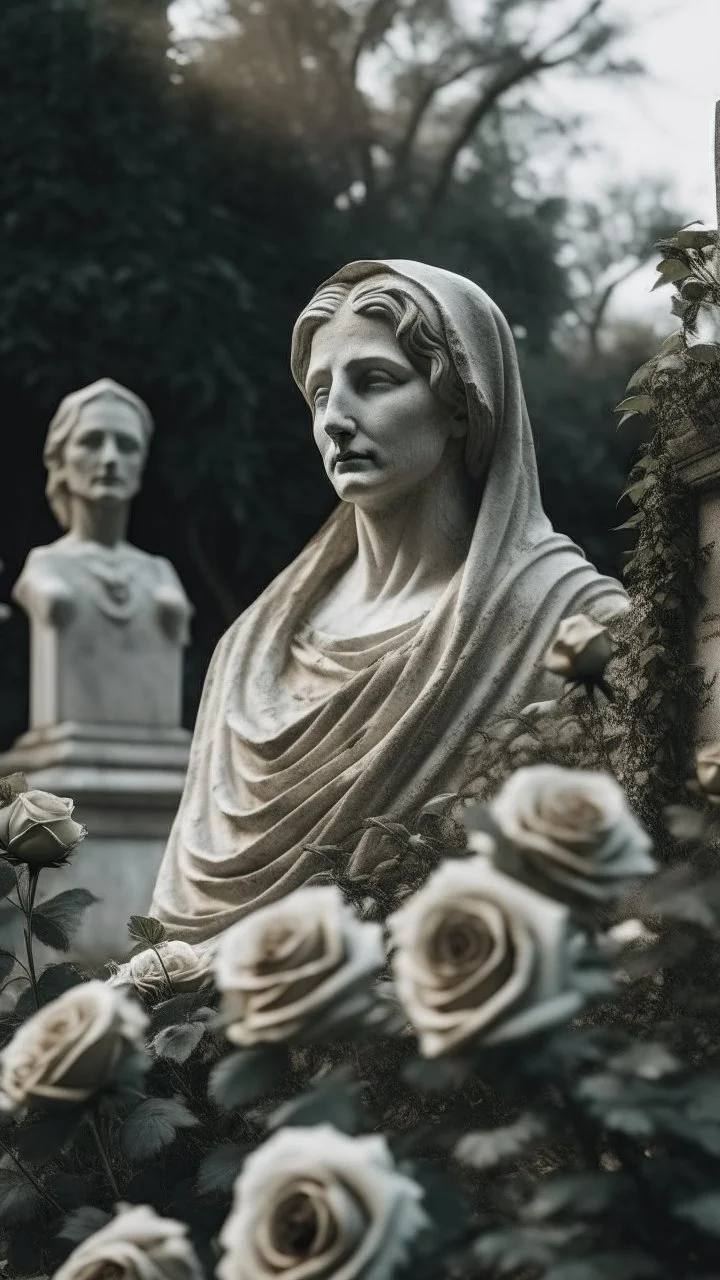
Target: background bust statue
x=417 y=614
x=105 y=616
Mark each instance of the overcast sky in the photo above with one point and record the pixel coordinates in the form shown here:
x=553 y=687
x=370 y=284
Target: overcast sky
x=658 y=124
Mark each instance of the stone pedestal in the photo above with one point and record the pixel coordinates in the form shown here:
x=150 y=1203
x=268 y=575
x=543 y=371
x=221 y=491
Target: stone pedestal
x=126 y=781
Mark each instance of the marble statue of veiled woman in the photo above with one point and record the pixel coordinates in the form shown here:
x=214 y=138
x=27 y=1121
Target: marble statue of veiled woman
x=417 y=614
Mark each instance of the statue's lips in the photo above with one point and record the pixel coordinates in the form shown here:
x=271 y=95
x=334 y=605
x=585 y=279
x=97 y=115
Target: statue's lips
x=349 y=458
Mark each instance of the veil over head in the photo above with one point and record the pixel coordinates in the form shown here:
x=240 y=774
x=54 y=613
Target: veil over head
x=268 y=777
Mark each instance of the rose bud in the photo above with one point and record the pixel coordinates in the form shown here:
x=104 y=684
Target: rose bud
x=38 y=829
x=580 y=650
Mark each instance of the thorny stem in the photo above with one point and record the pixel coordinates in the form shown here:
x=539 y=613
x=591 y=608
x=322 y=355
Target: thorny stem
x=32 y=889
x=41 y=1190
x=104 y=1158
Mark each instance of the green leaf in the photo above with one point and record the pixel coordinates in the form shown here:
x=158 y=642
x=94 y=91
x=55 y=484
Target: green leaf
x=12 y=785
x=83 y=1223
x=670 y=271
x=702 y=1211
x=438 y=805
x=485 y=1149
x=19 y=1201
x=179 y=1042
x=179 y=1008
x=220 y=1168
x=247 y=1075
x=69 y=1189
x=152 y=1126
x=43 y=1136
x=519 y=1247
x=693 y=289
x=56 y=921
x=582 y=1194
x=7 y=964
x=704 y=352
x=146 y=929
x=336 y=1102
x=614 y=1264
x=697 y=239
x=8 y=878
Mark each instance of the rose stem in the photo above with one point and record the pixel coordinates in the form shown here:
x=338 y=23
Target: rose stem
x=167 y=975
x=33 y=1181
x=32 y=888
x=104 y=1158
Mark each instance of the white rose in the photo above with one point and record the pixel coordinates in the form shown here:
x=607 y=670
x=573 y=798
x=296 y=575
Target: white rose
x=574 y=828
x=314 y=1204
x=707 y=770
x=38 y=828
x=186 y=968
x=294 y=962
x=580 y=650
x=480 y=956
x=69 y=1049
x=135 y=1245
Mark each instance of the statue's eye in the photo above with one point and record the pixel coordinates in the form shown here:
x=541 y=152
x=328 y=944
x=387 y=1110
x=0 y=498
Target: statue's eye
x=319 y=396
x=378 y=378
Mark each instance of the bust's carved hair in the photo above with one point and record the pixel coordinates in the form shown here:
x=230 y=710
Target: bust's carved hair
x=63 y=423
x=419 y=334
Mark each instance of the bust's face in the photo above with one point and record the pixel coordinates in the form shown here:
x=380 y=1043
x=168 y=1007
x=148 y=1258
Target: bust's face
x=105 y=452
x=380 y=428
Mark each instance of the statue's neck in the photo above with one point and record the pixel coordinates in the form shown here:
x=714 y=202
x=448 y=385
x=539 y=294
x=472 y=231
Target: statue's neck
x=92 y=522
x=417 y=542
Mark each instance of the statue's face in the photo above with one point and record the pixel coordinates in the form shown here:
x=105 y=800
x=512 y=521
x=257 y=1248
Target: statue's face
x=105 y=452
x=380 y=428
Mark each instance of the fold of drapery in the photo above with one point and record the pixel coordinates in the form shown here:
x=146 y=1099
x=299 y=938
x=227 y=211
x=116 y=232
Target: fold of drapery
x=299 y=738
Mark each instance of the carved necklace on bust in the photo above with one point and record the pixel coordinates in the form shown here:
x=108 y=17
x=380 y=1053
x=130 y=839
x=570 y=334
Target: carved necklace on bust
x=116 y=598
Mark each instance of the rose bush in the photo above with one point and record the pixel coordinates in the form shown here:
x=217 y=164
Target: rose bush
x=580 y=650
x=290 y=964
x=314 y=1203
x=69 y=1050
x=479 y=955
x=574 y=829
x=136 y=1244
x=38 y=828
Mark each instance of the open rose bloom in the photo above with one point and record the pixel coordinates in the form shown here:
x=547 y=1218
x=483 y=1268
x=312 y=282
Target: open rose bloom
x=69 y=1050
x=481 y=957
x=581 y=649
x=295 y=962
x=136 y=1244
x=315 y=1204
x=185 y=969
x=574 y=829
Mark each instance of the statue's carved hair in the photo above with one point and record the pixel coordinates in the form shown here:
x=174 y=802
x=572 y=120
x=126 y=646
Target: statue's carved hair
x=63 y=423
x=419 y=334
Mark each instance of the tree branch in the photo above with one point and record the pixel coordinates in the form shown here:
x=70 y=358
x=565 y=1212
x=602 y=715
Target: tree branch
x=520 y=68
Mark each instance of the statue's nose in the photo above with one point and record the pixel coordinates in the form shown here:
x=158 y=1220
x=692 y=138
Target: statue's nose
x=340 y=430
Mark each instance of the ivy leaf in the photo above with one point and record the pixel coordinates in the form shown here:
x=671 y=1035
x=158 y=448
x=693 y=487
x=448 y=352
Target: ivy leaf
x=671 y=270
x=146 y=929
x=83 y=1223
x=152 y=1126
x=56 y=921
x=635 y=404
x=704 y=352
x=245 y=1076
x=19 y=1200
x=438 y=805
x=220 y=1168
x=12 y=785
x=485 y=1149
x=178 y=1043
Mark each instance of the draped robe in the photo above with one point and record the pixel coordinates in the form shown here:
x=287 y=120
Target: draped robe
x=300 y=736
